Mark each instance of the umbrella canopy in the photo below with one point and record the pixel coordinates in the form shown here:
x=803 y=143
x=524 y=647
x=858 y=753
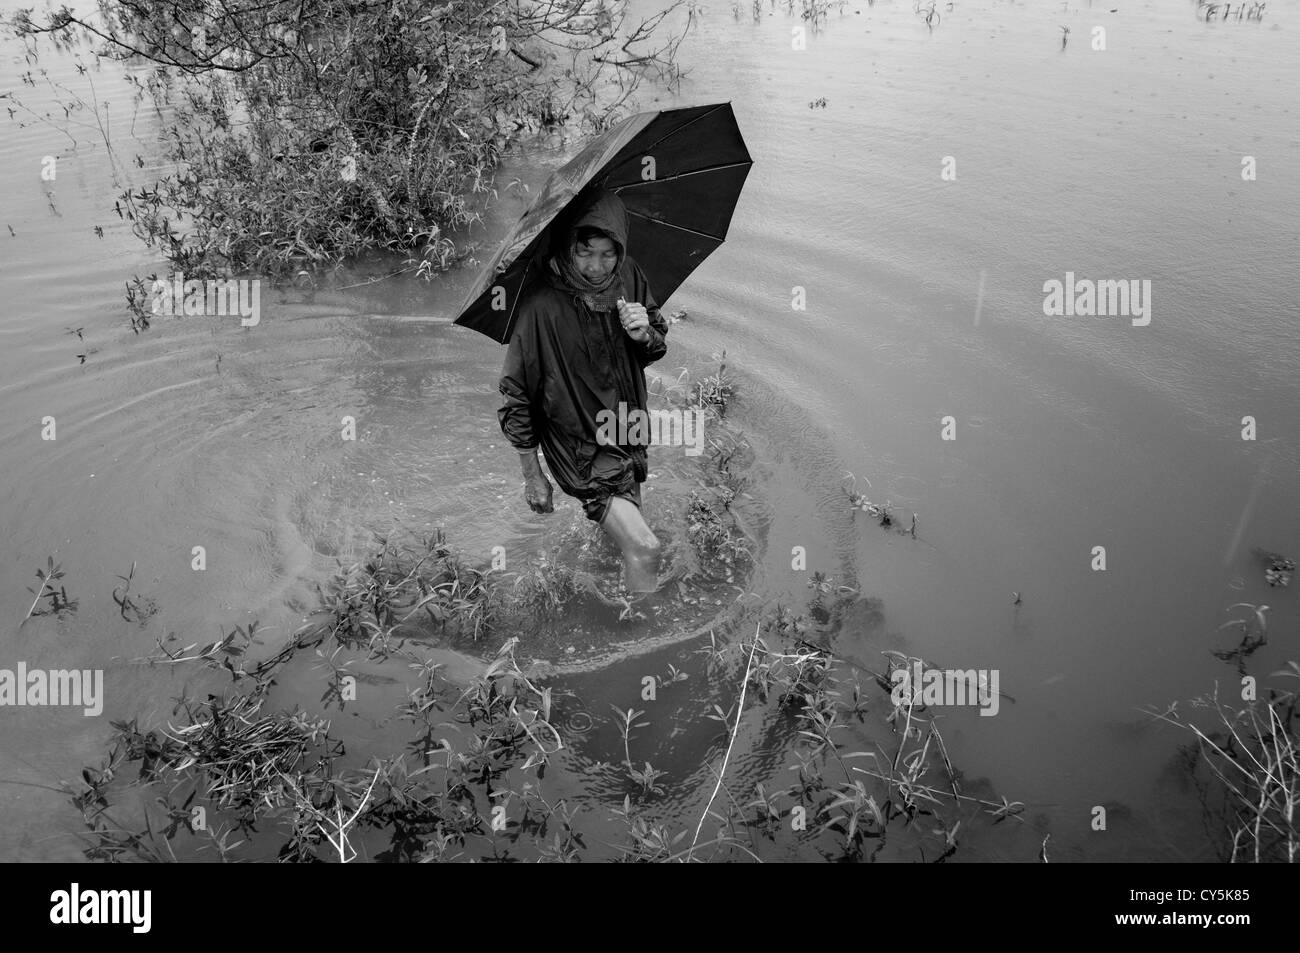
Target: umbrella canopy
x=679 y=173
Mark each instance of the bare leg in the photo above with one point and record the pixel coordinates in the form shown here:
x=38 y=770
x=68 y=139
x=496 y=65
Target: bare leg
x=627 y=527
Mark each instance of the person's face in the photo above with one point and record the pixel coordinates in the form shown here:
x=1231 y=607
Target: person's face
x=596 y=259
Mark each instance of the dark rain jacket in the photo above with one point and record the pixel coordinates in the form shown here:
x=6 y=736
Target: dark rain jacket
x=565 y=364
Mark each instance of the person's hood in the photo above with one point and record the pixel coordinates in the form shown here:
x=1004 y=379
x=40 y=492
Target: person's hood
x=597 y=208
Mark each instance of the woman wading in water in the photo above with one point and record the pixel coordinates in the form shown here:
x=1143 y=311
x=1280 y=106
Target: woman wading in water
x=584 y=335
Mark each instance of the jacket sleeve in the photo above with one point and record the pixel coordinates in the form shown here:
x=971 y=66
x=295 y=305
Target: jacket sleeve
x=657 y=345
x=520 y=383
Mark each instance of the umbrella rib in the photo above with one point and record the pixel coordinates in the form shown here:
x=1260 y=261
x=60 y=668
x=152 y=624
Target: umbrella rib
x=680 y=175
x=514 y=305
x=683 y=228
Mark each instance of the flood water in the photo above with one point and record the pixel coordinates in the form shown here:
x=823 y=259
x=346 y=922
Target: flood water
x=924 y=300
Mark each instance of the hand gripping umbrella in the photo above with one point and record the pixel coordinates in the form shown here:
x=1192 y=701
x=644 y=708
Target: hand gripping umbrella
x=679 y=173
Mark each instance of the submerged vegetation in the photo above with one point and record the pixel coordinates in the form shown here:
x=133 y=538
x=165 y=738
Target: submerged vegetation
x=879 y=511
x=1245 y=763
x=1278 y=567
x=1218 y=12
x=814 y=11
x=237 y=777
x=59 y=601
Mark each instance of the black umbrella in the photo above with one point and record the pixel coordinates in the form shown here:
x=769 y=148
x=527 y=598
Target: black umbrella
x=679 y=173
